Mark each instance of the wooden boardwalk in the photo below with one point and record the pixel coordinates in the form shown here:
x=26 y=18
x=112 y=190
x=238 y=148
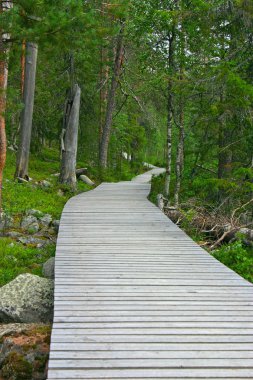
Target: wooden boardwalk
x=136 y=298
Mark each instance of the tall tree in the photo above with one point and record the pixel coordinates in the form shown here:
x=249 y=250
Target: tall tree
x=119 y=51
x=27 y=112
x=4 y=6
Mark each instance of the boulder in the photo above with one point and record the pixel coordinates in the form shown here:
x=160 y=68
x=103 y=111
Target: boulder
x=46 y=220
x=48 y=268
x=28 y=221
x=27 y=299
x=30 y=240
x=36 y=213
x=45 y=184
x=56 y=225
x=6 y=221
x=33 y=228
x=86 y=180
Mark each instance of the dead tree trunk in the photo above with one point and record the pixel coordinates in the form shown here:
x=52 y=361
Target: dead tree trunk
x=69 y=138
x=4 y=6
x=170 y=115
x=103 y=153
x=27 y=112
x=180 y=155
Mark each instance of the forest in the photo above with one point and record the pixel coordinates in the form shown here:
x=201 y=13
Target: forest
x=96 y=91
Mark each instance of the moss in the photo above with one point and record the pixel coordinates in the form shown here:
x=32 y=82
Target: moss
x=16 y=367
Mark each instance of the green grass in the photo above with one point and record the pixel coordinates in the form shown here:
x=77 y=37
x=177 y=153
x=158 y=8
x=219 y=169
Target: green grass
x=237 y=257
x=16 y=259
x=17 y=197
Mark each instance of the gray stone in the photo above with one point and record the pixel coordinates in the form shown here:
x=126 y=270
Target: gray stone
x=33 y=228
x=56 y=225
x=48 y=268
x=60 y=193
x=36 y=213
x=27 y=240
x=45 y=184
x=46 y=220
x=6 y=221
x=13 y=234
x=27 y=221
x=27 y=299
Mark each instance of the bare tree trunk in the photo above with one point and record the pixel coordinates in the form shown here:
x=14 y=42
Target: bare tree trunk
x=69 y=138
x=170 y=116
x=4 y=6
x=27 y=112
x=111 y=100
x=180 y=155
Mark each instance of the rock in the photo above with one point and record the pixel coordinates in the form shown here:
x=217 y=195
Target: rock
x=6 y=221
x=27 y=221
x=36 y=213
x=24 y=351
x=30 y=240
x=86 y=180
x=45 y=184
x=56 y=225
x=46 y=220
x=33 y=228
x=13 y=234
x=27 y=299
x=60 y=193
x=48 y=268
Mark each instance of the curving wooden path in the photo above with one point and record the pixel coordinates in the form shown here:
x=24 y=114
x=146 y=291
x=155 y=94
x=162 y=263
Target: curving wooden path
x=136 y=298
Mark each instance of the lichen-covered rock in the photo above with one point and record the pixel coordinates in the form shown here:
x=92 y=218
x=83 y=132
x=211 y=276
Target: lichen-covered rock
x=36 y=213
x=27 y=221
x=33 y=241
x=24 y=352
x=56 y=225
x=48 y=268
x=6 y=221
x=45 y=184
x=33 y=228
x=46 y=220
x=27 y=299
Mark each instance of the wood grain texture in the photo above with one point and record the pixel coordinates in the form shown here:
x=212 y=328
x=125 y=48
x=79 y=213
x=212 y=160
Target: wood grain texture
x=136 y=298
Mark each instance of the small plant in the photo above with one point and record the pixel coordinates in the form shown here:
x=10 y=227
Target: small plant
x=237 y=257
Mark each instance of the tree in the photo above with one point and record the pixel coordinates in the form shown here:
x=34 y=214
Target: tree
x=27 y=112
x=4 y=6
x=119 y=51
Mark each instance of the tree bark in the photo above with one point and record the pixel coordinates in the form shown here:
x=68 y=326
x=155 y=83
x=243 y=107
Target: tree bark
x=69 y=138
x=27 y=112
x=4 y=6
x=103 y=154
x=170 y=115
x=180 y=155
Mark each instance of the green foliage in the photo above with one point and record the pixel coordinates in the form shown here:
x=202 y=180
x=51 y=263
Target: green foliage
x=237 y=257
x=16 y=259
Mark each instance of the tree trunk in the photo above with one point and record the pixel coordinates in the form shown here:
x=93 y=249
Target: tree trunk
x=4 y=6
x=103 y=154
x=27 y=112
x=180 y=155
x=170 y=116
x=69 y=138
